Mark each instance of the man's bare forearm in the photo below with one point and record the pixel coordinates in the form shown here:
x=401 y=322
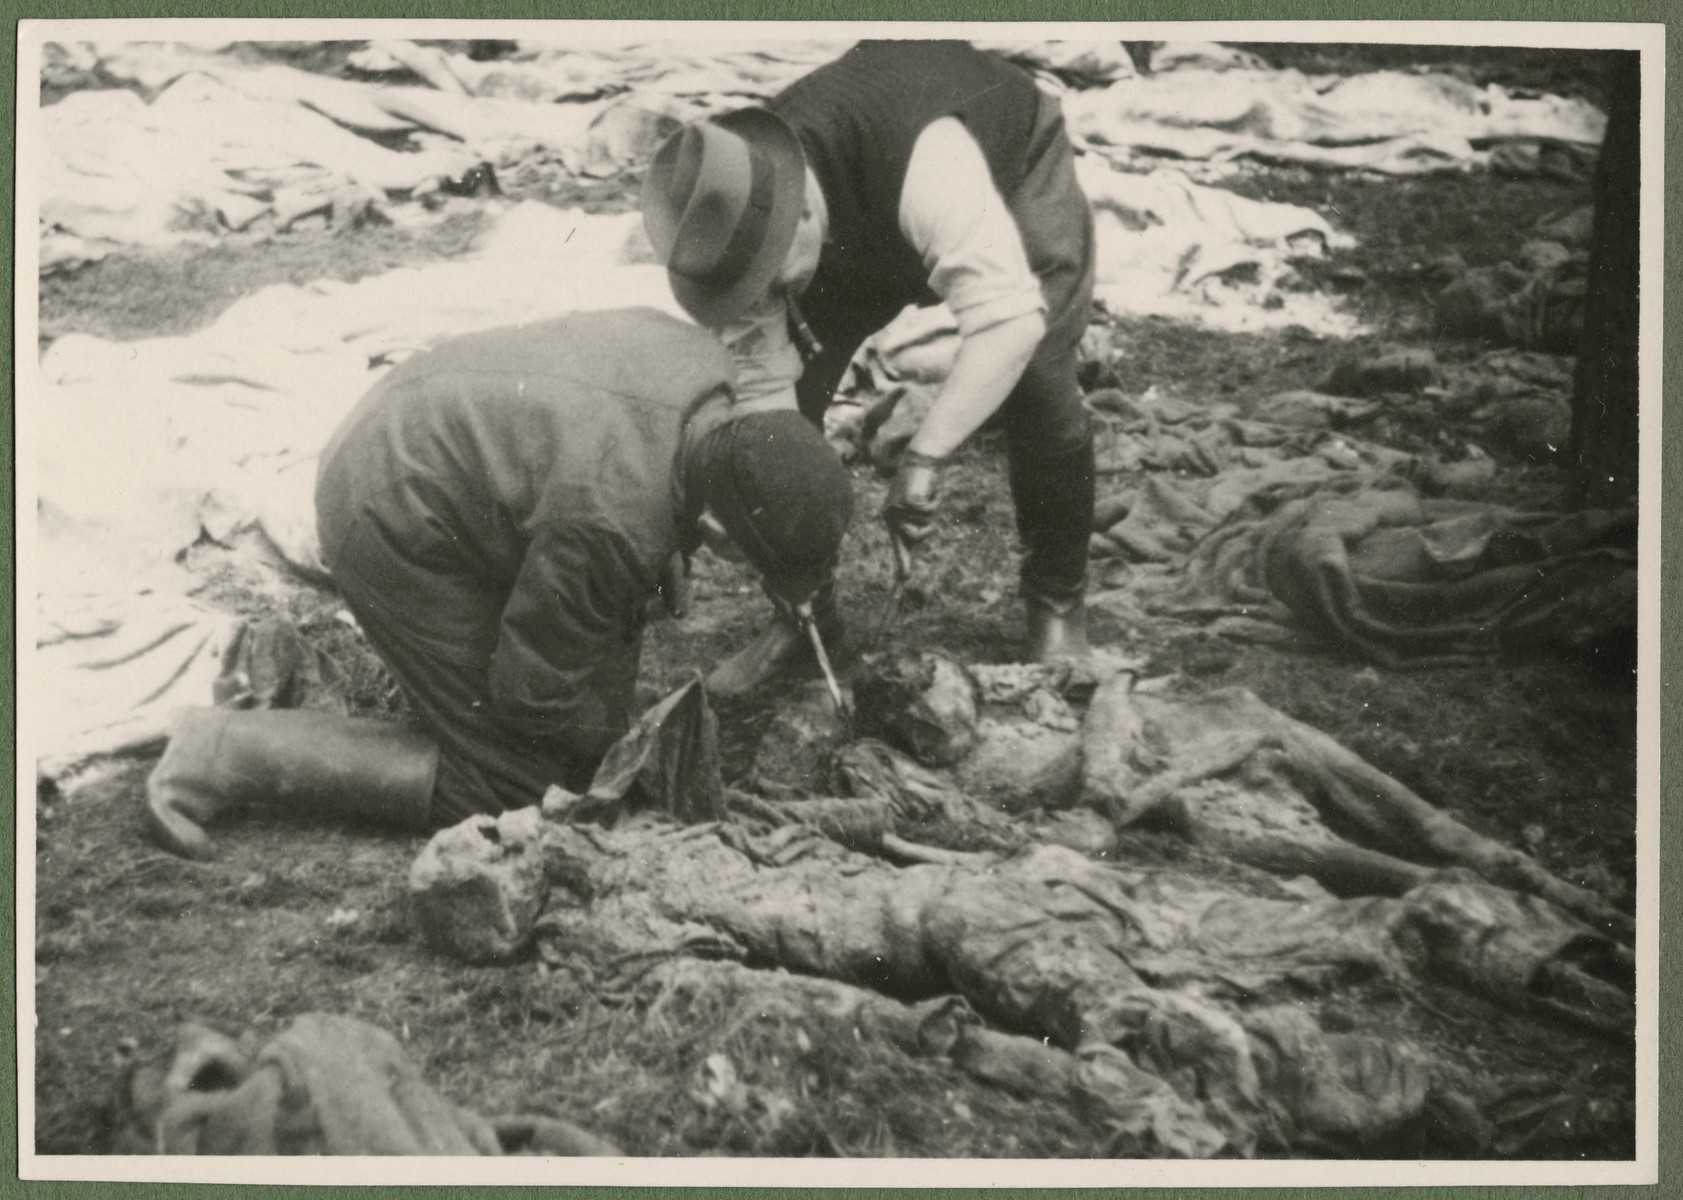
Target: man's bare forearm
x=988 y=366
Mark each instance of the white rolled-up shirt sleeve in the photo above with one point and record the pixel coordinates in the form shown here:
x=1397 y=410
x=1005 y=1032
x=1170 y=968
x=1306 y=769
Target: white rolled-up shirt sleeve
x=954 y=217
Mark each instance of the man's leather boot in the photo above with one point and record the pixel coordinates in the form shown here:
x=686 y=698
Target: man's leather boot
x=1054 y=501
x=220 y=759
x=780 y=647
x=1057 y=632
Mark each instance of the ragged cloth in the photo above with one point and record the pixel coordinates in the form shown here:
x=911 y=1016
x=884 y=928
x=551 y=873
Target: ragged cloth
x=1392 y=122
x=1171 y=971
x=326 y=1085
x=1395 y=577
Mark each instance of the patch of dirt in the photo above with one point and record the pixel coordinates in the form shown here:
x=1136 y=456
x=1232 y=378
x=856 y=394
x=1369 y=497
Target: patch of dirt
x=295 y=916
x=168 y=293
x=1407 y=228
x=1538 y=753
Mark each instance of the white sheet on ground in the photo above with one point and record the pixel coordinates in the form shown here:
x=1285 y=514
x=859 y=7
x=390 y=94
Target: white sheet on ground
x=110 y=670
x=227 y=142
x=207 y=155
x=1395 y=122
x=1170 y=247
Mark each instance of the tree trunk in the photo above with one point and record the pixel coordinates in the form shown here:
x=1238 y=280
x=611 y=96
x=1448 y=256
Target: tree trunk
x=1602 y=452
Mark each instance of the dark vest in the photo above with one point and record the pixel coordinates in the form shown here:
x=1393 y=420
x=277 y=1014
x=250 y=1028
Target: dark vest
x=858 y=119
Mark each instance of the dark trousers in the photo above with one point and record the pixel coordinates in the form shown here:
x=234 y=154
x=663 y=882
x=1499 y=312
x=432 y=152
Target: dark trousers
x=1048 y=434
x=435 y=630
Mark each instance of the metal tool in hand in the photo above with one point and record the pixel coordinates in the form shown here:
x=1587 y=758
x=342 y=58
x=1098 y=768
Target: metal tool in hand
x=803 y=614
x=806 y=342
x=897 y=593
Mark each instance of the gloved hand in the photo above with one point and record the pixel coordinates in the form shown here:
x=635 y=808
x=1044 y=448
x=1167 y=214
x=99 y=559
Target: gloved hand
x=913 y=498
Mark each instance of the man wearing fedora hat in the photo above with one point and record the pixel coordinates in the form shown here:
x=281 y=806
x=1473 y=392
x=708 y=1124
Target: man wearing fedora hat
x=498 y=514
x=903 y=172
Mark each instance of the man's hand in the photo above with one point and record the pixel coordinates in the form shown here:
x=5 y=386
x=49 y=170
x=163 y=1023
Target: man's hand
x=913 y=498
x=717 y=540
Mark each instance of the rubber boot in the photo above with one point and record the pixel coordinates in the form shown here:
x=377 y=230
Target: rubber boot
x=1054 y=501
x=779 y=648
x=220 y=759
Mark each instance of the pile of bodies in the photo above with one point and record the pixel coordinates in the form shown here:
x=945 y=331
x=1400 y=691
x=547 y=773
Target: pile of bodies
x=1175 y=1008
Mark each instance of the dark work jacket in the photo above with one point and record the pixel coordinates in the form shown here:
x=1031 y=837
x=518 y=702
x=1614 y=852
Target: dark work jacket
x=531 y=477
x=858 y=119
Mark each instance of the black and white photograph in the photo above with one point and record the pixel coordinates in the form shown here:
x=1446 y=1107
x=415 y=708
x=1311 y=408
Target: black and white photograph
x=1048 y=603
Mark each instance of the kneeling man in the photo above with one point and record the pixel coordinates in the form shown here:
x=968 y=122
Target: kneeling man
x=498 y=514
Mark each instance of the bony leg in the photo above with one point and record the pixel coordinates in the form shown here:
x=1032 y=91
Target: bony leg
x=223 y=759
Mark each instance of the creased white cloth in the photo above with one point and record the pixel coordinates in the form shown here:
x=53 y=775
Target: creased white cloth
x=1395 y=122
x=206 y=156
x=110 y=670
x=226 y=143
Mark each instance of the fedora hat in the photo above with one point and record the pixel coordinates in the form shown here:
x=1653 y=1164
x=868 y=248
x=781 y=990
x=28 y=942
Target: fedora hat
x=721 y=202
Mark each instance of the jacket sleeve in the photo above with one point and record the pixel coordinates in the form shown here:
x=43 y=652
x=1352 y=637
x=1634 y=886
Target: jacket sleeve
x=565 y=666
